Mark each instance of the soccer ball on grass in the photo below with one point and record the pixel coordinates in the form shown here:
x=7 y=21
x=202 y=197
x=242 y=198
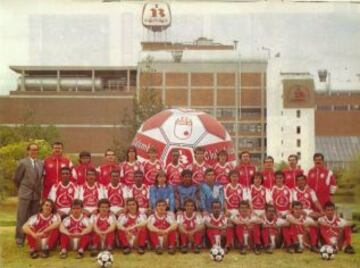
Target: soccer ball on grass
x=105 y=259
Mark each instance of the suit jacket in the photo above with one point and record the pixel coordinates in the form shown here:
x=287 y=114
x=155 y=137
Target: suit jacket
x=28 y=179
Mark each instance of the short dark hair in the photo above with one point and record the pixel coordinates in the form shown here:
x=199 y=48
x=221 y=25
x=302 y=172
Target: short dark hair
x=53 y=207
x=233 y=171
x=57 y=143
x=244 y=203
x=199 y=149
x=293 y=155
x=268 y=206
x=160 y=201
x=329 y=204
x=300 y=176
x=109 y=150
x=104 y=201
x=297 y=204
x=244 y=152
x=269 y=158
x=186 y=172
x=132 y=199
x=77 y=202
x=318 y=155
x=279 y=173
x=131 y=148
x=257 y=174
x=84 y=154
x=138 y=172
x=189 y=200
x=215 y=201
x=91 y=170
x=163 y=173
x=65 y=168
x=208 y=170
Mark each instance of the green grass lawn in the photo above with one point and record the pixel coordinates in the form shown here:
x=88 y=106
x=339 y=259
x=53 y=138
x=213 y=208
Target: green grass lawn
x=11 y=256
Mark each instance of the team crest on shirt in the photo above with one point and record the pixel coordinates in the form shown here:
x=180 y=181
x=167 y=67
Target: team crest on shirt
x=262 y=192
x=105 y=173
x=50 y=165
x=157 y=166
x=322 y=175
x=312 y=175
x=288 y=177
x=306 y=195
x=63 y=165
x=143 y=192
x=241 y=173
x=285 y=192
x=136 y=168
x=227 y=170
x=70 y=191
x=251 y=172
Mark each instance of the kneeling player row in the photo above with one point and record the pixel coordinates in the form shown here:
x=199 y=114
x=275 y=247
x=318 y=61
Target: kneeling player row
x=132 y=229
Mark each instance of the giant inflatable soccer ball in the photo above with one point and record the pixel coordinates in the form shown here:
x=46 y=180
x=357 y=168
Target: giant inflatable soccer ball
x=184 y=129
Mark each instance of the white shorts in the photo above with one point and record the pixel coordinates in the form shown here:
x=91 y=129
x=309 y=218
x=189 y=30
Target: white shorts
x=115 y=209
x=90 y=209
x=66 y=211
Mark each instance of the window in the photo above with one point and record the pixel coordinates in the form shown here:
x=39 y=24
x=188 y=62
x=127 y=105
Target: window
x=323 y=107
x=299 y=155
x=354 y=107
x=298 y=130
x=298 y=113
x=282 y=142
x=298 y=143
x=343 y=107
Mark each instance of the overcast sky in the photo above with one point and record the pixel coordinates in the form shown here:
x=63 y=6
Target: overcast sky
x=81 y=32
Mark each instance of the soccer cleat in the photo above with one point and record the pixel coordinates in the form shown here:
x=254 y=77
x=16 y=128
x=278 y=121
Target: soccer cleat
x=269 y=250
x=45 y=254
x=298 y=248
x=79 y=255
x=34 y=255
x=257 y=250
x=94 y=253
x=349 y=249
x=171 y=250
x=63 y=254
x=184 y=249
x=291 y=249
x=126 y=250
x=140 y=250
x=197 y=249
x=243 y=250
x=314 y=249
x=159 y=251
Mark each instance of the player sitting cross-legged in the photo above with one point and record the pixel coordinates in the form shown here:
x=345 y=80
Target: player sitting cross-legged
x=131 y=227
x=75 y=231
x=191 y=227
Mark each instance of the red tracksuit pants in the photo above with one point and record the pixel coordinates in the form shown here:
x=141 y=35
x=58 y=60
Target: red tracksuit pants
x=141 y=236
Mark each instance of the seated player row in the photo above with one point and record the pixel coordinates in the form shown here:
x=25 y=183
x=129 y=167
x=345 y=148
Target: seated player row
x=242 y=229
x=203 y=195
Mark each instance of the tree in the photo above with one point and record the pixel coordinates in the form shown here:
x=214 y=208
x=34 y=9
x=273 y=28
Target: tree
x=13 y=143
x=351 y=175
x=145 y=104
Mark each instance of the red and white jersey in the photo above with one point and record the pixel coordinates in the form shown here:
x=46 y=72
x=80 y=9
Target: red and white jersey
x=127 y=171
x=221 y=221
x=323 y=182
x=63 y=196
x=116 y=195
x=251 y=218
x=141 y=194
x=79 y=173
x=281 y=198
x=258 y=197
x=221 y=172
x=52 y=167
x=104 y=173
x=303 y=220
x=234 y=194
x=173 y=173
x=128 y=220
x=39 y=222
x=90 y=195
x=269 y=178
x=331 y=227
x=151 y=169
x=190 y=223
x=246 y=171
x=307 y=196
x=290 y=176
x=274 y=223
x=162 y=222
x=74 y=225
x=103 y=223
x=198 y=171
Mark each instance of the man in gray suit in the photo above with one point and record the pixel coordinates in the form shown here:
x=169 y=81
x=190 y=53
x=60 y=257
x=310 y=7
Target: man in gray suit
x=28 y=180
